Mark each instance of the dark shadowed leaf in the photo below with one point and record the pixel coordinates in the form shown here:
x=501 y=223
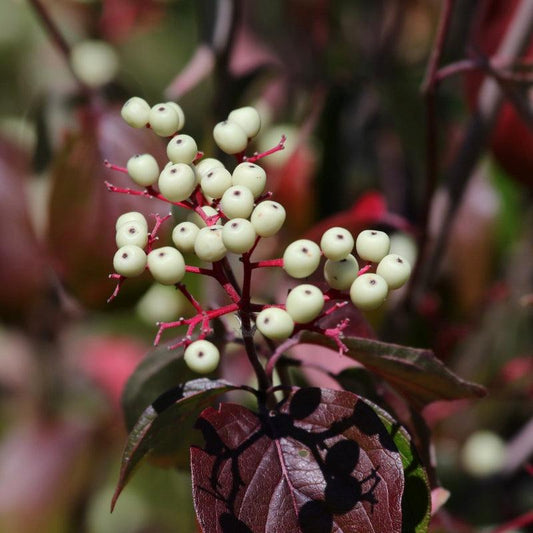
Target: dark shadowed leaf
x=164 y=426
x=416 y=373
x=160 y=370
x=323 y=461
x=83 y=212
x=22 y=263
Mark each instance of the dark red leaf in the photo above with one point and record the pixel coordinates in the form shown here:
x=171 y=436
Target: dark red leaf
x=22 y=262
x=416 y=373
x=83 y=212
x=323 y=461
x=164 y=426
x=369 y=209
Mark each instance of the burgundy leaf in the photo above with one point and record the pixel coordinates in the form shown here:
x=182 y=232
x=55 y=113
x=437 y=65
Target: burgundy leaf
x=416 y=373
x=164 y=426
x=370 y=208
x=83 y=212
x=322 y=462
x=22 y=263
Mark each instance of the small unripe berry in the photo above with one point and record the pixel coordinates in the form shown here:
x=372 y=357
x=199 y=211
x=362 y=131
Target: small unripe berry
x=133 y=232
x=135 y=112
x=336 y=243
x=202 y=357
x=143 y=169
x=209 y=245
x=164 y=120
x=395 y=270
x=130 y=217
x=304 y=303
x=94 y=62
x=177 y=182
x=238 y=235
x=372 y=245
x=341 y=274
x=182 y=149
x=179 y=111
x=275 y=323
x=268 y=218
x=206 y=164
x=184 y=236
x=230 y=137
x=301 y=258
x=215 y=182
x=237 y=202
x=166 y=265
x=248 y=119
x=368 y=291
x=129 y=261
x=250 y=175
x=195 y=218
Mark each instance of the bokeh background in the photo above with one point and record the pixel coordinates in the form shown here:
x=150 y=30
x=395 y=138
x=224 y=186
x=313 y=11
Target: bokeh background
x=343 y=80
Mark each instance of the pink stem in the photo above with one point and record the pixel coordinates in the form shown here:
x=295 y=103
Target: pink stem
x=183 y=289
x=277 y=148
x=268 y=263
x=111 y=166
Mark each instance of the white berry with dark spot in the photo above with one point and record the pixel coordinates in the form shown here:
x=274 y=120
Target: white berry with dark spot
x=301 y=258
x=304 y=303
x=372 y=245
x=368 y=291
x=202 y=357
x=166 y=265
x=129 y=261
x=395 y=270
x=337 y=243
x=275 y=323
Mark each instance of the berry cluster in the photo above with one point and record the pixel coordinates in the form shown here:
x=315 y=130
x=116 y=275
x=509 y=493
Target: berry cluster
x=230 y=211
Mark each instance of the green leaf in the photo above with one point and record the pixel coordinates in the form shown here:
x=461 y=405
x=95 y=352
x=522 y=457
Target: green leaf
x=416 y=373
x=163 y=427
x=416 y=498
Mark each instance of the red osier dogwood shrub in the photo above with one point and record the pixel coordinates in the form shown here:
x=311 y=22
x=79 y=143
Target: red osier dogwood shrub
x=298 y=458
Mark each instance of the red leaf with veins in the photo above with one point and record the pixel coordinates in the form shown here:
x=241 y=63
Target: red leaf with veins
x=322 y=462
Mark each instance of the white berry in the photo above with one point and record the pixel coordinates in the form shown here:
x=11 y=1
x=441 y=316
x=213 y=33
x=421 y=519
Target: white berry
x=129 y=261
x=250 y=175
x=184 y=236
x=179 y=111
x=304 y=303
x=215 y=182
x=130 y=216
x=164 y=120
x=372 y=245
x=209 y=245
x=177 y=182
x=195 y=218
x=230 y=137
x=202 y=356
x=275 y=323
x=94 y=62
x=133 y=232
x=268 y=218
x=135 y=112
x=395 y=270
x=238 y=235
x=143 y=169
x=336 y=243
x=166 y=265
x=301 y=258
x=237 y=202
x=368 y=291
x=248 y=119
x=182 y=149
x=205 y=165
x=341 y=274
